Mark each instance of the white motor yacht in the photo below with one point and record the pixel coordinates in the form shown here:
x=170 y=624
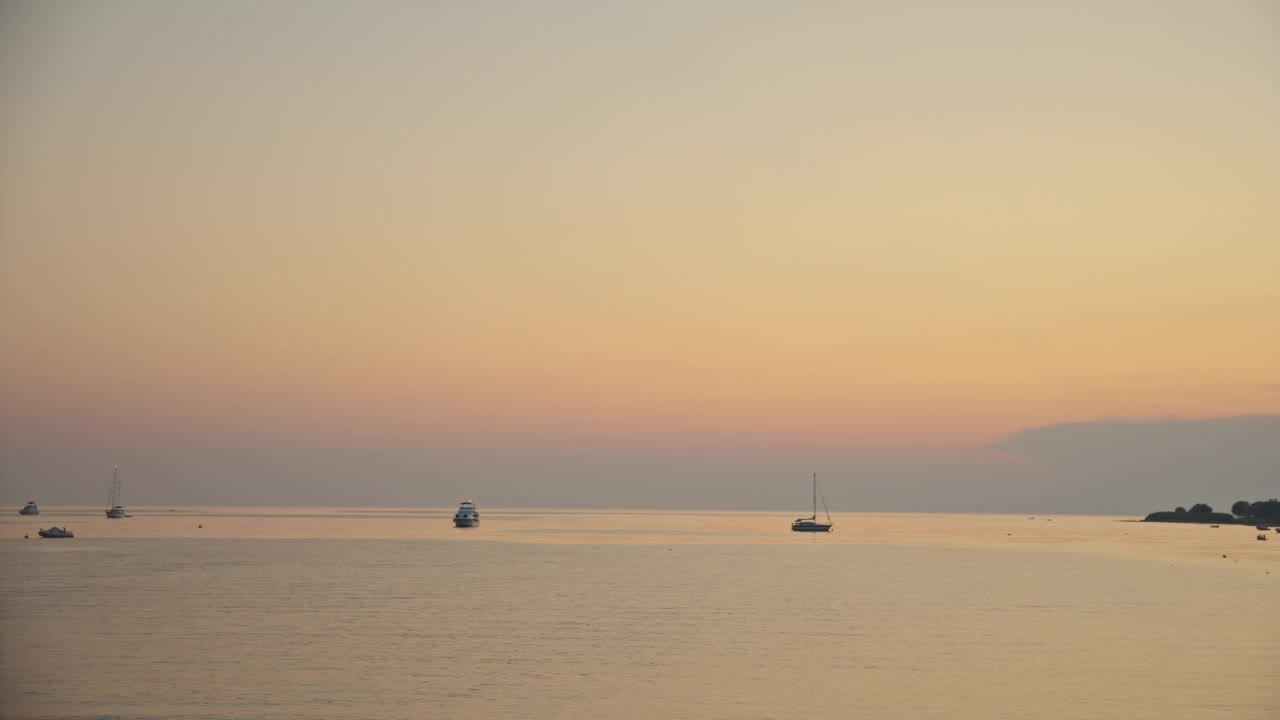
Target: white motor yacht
x=30 y=509
x=467 y=515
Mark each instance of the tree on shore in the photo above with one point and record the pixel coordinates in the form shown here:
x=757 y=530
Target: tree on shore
x=1265 y=509
x=1242 y=512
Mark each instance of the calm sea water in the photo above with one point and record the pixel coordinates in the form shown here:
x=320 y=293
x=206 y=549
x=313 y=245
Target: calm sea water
x=385 y=613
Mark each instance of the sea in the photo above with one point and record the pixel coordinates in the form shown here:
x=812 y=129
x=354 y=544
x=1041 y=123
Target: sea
x=284 y=613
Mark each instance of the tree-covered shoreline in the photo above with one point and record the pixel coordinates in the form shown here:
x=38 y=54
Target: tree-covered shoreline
x=1243 y=512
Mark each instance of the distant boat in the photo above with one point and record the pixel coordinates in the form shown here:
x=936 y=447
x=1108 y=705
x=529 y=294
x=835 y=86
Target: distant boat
x=1263 y=526
x=30 y=509
x=114 y=508
x=811 y=524
x=467 y=515
x=56 y=532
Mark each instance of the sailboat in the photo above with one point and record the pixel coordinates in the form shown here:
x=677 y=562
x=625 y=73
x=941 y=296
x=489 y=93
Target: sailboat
x=114 y=508
x=811 y=524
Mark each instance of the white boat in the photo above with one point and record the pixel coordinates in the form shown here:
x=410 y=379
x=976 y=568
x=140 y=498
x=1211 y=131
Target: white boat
x=30 y=509
x=811 y=524
x=467 y=515
x=56 y=532
x=114 y=508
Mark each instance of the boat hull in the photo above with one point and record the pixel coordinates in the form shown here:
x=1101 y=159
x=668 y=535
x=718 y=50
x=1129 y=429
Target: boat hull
x=465 y=522
x=25 y=511
x=55 y=535
x=811 y=527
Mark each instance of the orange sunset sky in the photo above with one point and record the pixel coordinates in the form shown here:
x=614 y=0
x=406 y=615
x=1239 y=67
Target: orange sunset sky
x=862 y=232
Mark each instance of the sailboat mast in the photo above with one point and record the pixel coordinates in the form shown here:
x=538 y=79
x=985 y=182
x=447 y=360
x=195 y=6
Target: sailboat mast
x=815 y=496
x=113 y=495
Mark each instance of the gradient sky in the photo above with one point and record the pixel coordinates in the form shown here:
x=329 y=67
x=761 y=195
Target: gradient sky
x=665 y=253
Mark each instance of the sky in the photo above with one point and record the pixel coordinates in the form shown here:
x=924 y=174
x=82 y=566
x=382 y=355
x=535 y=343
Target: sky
x=987 y=256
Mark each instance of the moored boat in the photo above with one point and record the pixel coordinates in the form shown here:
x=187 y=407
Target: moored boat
x=811 y=524
x=30 y=509
x=114 y=508
x=467 y=515
x=56 y=532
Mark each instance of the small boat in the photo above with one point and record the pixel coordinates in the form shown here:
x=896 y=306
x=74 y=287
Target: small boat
x=56 y=532
x=467 y=515
x=30 y=509
x=114 y=508
x=811 y=524
x=1263 y=526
